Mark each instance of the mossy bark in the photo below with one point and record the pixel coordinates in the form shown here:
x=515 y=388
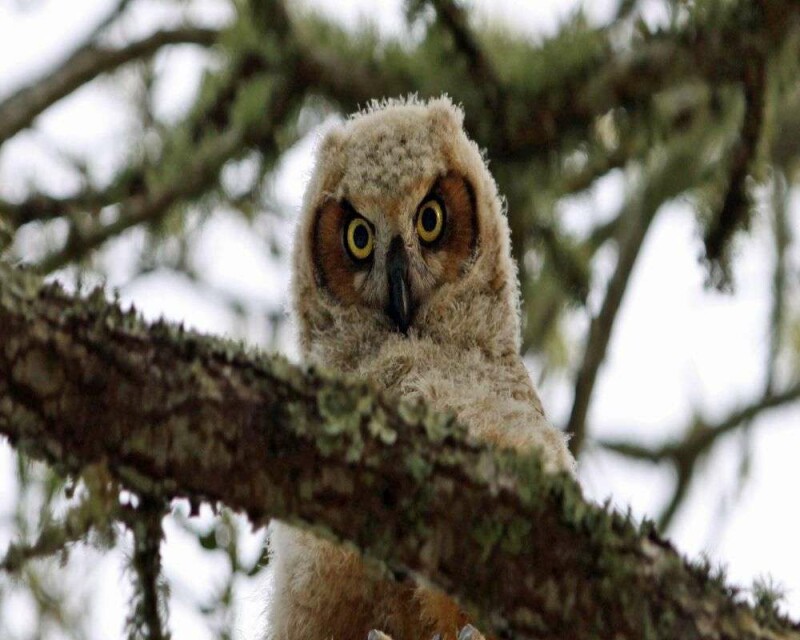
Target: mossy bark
x=172 y=413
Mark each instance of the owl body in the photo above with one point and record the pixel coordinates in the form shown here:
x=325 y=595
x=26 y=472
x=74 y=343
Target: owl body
x=402 y=274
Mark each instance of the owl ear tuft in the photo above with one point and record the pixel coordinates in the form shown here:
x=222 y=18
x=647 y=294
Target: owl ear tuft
x=330 y=157
x=445 y=117
x=331 y=144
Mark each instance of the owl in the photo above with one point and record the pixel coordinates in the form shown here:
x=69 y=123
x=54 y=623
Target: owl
x=402 y=273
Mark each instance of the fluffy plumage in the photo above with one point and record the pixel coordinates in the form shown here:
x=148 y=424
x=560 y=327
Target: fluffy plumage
x=460 y=351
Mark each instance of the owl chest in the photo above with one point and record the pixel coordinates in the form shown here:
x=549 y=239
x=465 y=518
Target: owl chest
x=446 y=379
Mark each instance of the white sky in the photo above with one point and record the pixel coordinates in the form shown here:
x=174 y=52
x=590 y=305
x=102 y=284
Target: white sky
x=676 y=349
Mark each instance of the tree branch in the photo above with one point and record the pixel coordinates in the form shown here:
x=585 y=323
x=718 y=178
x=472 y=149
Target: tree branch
x=569 y=103
x=88 y=62
x=662 y=180
x=173 y=414
x=77 y=523
x=41 y=207
x=455 y=20
x=684 y=454
x=148 y=618
x=702 y=434
x=735 y=211
x=198 y=175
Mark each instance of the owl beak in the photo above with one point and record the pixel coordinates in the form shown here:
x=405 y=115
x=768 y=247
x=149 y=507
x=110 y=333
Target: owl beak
x=400 y=307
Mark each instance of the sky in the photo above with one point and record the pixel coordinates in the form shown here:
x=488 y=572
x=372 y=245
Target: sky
x=677 y=348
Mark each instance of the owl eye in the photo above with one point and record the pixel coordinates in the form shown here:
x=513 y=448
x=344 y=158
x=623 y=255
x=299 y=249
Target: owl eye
x=430 y=221
x=358 y=239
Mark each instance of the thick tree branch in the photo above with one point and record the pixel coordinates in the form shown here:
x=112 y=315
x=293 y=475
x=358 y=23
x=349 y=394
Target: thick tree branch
x=89 y=61
x=175 y=414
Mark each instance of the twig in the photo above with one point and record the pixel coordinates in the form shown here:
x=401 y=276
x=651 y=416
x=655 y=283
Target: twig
x=89 y=61
x=638 y=223
x=701 y=435
x=198 y=176
x=148 y=618
x=456 y=21
x=96 y=511
x=782 y=236
x=114 y=13
x=76 y=525
x=735 y=211
x=40 y=207
x=668 y=172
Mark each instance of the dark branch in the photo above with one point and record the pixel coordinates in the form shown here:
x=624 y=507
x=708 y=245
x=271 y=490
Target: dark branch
x=40 y=207
x=735 y=211
x=782 y=236
x=601 y=326
x=147 y=620
x=669 y=172
x=702 y=434
x=480 y=68
x=94 y=513
x=199 y=175
x=684 y=454
x=20 y=109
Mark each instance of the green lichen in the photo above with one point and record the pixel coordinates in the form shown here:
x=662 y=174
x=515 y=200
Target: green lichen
x=487 y=532
x=412 y=412
x=517 y=536
x=438 y=425
x=418 y=467
x=297 y=418
x=40 y=372
x=338 y=407
x=378 y=423
x=138 y=481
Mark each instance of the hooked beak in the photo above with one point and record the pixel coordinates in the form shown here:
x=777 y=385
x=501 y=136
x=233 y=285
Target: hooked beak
x=400 y=308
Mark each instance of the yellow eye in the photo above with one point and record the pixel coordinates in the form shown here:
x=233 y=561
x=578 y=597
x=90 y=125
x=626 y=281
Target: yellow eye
x=358 y=238
x=430 y=221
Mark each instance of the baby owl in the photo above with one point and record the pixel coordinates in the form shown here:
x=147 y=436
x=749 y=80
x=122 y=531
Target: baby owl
x=402 y=274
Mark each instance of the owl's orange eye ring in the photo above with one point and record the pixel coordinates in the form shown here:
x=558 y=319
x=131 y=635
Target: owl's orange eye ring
x=430 y=221
x=358 y=239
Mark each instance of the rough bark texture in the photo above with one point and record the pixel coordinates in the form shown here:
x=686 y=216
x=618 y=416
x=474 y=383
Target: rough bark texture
x=172 y=413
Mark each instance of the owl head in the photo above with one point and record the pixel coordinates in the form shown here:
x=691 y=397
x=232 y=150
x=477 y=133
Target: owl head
x=402 y=237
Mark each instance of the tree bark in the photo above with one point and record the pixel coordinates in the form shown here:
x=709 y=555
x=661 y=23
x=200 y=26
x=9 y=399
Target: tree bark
x=176 y=414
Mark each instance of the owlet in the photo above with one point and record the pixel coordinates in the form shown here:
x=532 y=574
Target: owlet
x=402 y=273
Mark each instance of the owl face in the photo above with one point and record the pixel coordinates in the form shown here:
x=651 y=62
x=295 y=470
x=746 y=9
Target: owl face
x=391 y=255
x=402 y=241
